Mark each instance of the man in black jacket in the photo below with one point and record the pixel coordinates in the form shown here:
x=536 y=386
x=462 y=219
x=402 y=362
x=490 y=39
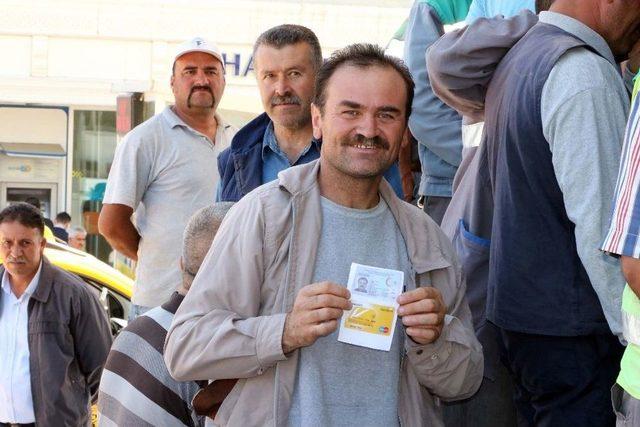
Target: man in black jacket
x=54 y=335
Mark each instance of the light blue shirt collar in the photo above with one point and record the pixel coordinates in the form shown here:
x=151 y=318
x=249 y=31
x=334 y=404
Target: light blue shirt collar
x=269 y=142
x=580 y=30
x=31 y=288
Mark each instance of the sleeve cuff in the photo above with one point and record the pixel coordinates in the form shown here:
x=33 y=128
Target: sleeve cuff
x=269 y=341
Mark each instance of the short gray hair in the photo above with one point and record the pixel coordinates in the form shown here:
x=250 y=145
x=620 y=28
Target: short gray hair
x=288 y=35
x=197 y=239
x=74 y=231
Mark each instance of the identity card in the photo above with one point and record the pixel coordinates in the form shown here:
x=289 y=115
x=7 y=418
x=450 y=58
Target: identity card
x=372 y=319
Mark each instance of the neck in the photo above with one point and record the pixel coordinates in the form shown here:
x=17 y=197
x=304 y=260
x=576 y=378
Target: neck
x=587 y=14
x=293 y=141
x=19 y=284
x=202 y=120
x=354 y=193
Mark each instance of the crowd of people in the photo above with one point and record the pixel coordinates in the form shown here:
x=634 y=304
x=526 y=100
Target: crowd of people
x=521 y=261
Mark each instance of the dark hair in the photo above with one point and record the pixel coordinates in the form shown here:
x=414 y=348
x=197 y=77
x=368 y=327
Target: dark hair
x=24 y=213
x=33 y=201
x=63 y=217
x=361 y=55
x=290 y=34
x=543 y=5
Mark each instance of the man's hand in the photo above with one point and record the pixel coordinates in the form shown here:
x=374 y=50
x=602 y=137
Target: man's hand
x=315 y=314
x=631 y=272
x=422 y=311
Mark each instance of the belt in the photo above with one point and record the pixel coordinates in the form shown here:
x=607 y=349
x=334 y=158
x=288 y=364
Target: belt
x=17 y=425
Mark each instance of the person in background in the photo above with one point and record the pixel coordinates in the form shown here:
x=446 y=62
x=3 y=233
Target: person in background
x=166 y=169
x=491 y=8
x=78 y=238
x=435 y=126
x=286 y=60
x=136 y=387
x=54 y=334
x=61 y=226
x=622 y=241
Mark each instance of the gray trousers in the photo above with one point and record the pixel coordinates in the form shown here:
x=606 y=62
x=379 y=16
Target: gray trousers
x=626 y=407
x=434 y=206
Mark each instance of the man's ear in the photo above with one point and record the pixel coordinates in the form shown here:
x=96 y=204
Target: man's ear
x=316 y=121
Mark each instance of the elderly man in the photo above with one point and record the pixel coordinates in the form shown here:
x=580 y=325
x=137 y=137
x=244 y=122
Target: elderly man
x=136 y=387
x=166 y=169
x=78 y=238
x=286 y=60
x=266 y=305
x=54 y=335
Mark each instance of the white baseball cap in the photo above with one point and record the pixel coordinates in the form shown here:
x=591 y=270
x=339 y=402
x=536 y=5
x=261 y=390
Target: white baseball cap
x=198 y=44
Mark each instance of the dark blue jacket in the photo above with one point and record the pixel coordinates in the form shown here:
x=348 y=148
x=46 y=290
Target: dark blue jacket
x=537 y=283
x=240 y=165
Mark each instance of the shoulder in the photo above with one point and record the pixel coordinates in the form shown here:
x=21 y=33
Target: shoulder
x=579 y=70
x=66 y=283
x=146 y=133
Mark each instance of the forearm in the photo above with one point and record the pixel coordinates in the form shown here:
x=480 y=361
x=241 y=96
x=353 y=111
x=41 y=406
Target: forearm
x=220 y=345
x=119 y=231
x=631 y=271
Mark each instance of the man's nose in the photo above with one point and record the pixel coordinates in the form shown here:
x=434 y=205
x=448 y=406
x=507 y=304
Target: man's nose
x=282 y=87
x=368 y=126
x=201 y=78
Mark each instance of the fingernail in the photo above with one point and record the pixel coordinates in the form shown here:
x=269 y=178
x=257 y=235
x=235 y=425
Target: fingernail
x=401 y=311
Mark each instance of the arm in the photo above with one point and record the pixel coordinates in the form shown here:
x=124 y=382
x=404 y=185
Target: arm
x=631 y=271
x=116 y=226
x=432 y=123
x=218 y=331
x=91 y=337
x=585 y=137
x=461 y=63
x=131 y=174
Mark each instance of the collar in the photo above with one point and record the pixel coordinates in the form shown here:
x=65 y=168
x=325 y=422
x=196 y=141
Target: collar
x=581 y=31
x=269 y=142
x=303 y=181
x=33 y=284
x=174 y=121
x=173 y=303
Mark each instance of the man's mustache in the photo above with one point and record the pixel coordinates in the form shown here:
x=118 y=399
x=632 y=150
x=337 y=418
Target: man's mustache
x=359 y=139
x=200 y=87
x=287 y=99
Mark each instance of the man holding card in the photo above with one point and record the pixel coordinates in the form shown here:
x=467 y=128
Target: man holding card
x=272 y=304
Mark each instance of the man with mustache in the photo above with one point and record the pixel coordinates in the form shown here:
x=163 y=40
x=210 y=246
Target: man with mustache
x=165 y=170
x=286 y=59
x=266 y=304
x=54 y=334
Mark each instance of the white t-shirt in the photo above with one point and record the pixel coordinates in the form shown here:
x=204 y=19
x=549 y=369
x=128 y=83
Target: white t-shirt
x=165 y=171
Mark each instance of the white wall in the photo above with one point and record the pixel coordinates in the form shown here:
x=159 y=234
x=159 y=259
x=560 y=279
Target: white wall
x=82 y=53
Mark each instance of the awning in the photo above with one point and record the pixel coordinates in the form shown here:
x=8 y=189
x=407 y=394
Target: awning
x=32 y=150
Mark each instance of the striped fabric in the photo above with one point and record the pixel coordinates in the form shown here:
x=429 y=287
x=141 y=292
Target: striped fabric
x=136 y=388
x=623 y=235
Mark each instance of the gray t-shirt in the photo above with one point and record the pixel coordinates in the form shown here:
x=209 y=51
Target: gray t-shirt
x=165 y=171
x=343 y=384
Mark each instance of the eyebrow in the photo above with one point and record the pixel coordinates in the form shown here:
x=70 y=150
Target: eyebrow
x=385 y=108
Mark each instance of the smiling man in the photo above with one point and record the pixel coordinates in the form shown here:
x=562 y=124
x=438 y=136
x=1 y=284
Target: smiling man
x=165 y=170
x=54 y=335
x=266 y=304
x=286 y=59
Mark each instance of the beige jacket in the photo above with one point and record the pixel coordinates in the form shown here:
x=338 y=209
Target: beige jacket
x=230 y=324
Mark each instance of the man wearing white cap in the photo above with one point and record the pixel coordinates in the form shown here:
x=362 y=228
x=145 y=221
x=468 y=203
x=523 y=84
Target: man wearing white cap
x=164 y=170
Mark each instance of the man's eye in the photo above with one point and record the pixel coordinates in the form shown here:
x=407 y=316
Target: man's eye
x=295 y=73
x=350 y=113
